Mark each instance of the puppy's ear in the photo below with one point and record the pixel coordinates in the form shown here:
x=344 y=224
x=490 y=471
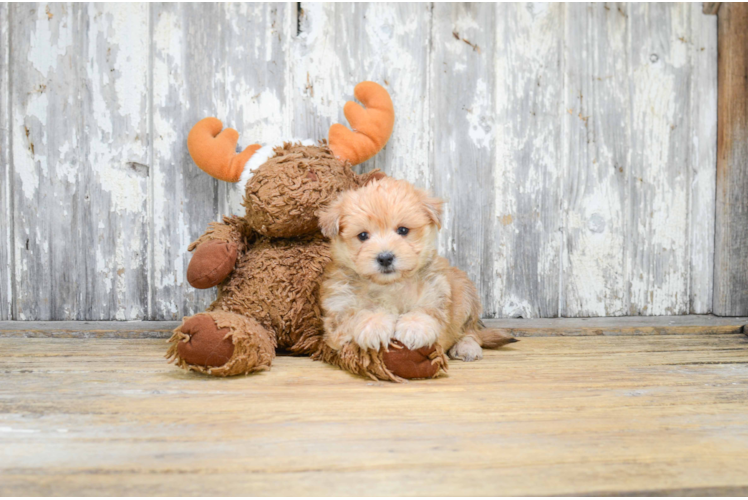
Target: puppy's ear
x=433 y=208
x=369 y=177
x=329 y=218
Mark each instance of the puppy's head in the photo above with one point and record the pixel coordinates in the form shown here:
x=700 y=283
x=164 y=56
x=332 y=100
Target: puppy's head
x=384 y=231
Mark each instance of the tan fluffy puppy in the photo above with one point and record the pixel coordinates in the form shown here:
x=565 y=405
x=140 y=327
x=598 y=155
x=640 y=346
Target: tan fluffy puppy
x=387 y=281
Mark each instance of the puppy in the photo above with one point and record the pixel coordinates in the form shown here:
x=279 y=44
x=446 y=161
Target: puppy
x=387 y=281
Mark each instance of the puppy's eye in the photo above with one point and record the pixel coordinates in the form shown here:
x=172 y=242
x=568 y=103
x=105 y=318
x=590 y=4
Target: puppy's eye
x=363 y=236
x=403 y=231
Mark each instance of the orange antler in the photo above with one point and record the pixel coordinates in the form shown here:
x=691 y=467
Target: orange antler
x=372 y=125
x=215 y=151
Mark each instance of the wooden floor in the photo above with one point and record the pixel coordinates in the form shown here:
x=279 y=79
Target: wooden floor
x=606 y=413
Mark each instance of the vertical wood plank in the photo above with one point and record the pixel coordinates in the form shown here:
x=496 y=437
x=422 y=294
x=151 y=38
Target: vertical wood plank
x=703 y=158
x=711 y=8
x=528 y=104
x=6 y=217
x=47 y=134
x=188 y=85
x=340 y=45
x=731 y=239
x=221 y=60
x=113 y=183
x=257 y=38
x=464 y=129
x=597 y=148
x=659 y=180
x=80 y=169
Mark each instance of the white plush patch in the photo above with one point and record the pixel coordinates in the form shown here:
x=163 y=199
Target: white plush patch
x=264 y=154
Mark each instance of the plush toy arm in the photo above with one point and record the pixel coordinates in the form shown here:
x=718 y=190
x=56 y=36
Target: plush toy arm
x=216 y=252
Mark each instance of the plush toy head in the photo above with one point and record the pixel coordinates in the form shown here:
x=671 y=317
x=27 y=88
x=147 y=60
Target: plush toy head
x=286 y=184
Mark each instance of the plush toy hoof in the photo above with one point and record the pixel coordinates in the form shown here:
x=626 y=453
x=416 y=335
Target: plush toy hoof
x=405 y=363
x=211 y=263
x=208 y=345
x=222 y=344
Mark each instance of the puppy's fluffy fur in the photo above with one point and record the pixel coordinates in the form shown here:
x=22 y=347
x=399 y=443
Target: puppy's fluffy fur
x=387 y=281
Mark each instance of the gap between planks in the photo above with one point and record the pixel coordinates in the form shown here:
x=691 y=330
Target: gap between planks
x=546 y=327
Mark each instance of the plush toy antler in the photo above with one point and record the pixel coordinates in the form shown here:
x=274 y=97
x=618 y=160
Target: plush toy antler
x=215 y=151
x=372 y=126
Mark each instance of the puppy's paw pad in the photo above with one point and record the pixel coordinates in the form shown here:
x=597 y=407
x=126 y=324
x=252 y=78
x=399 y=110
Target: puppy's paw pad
x=417 y=330
x=376 y=331
x=466 y=349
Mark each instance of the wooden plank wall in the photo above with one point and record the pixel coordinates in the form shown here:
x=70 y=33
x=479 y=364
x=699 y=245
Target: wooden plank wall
x=575 y=144
x=731 y=249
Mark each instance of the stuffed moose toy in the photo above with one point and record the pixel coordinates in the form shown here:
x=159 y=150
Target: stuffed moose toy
x=268 y=264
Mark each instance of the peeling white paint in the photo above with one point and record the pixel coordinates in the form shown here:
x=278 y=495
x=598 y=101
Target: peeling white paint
x=480 y=117
x=600 y=196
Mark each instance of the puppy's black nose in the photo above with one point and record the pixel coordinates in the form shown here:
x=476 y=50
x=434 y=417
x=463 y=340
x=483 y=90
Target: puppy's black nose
x=385 y=259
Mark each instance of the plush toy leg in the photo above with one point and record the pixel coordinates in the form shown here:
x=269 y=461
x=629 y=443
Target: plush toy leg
x=222 y=344
x=397 y=364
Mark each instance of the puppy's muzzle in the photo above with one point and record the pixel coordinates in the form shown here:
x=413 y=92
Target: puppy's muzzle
x=385 y=261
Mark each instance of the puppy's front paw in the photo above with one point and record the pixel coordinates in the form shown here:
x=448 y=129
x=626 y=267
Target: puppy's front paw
x=417 y=330
x=375 y=330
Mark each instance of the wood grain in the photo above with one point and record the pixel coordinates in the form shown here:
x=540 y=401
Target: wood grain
x=542 y=327
x=88 y=329
x=658 y=185
x=49 y=196
x=596 y=161
x=711 y=8
x=113 y=179
x=340 y=45
x=6 y=207
x=702 y=49
x=731 y=250
x=256 y=65
x=575 y=144
x=187 y=85
x=80 y=160
x=620 y=326
x=236 y=73
x=109 y=417
x=527 y=173
x=463 y=121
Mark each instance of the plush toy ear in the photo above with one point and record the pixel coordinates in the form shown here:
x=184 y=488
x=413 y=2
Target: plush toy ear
x=433 y=208
x=329 y=218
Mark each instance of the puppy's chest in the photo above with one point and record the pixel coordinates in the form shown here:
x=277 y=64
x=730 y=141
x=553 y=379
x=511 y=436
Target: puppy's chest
x=396 y=298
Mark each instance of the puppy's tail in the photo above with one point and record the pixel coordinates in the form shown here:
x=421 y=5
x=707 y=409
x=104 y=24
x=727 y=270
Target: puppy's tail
x=491 y=338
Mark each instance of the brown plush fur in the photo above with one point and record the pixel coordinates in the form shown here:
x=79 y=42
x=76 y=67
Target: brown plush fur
x=286 y=192
x=270 y=297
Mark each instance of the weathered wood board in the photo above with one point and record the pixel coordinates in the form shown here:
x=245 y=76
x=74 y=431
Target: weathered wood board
x=575 y=144
x=662 y=415
x=543 y=327
x=463 y=127
x=224 y=60
x=731 y=252
x=340 y=45
x=6 y=207
x=79 y=128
